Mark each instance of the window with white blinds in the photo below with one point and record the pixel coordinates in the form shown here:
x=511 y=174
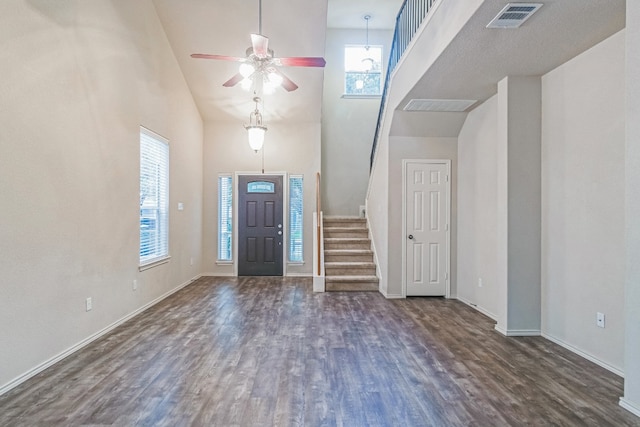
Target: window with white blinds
x=154 y=197
x=225 y=217
x=295 y=218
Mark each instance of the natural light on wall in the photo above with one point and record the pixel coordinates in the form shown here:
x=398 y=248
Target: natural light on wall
x=363 y=70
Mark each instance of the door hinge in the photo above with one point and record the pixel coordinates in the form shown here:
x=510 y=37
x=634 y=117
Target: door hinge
x=447 y=178
x=446 y=276
x=446 y=227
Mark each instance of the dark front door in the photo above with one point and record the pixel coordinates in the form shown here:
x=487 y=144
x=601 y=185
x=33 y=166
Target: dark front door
x=260 y=225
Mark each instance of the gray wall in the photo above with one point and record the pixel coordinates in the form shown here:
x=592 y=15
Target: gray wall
x=477 y=209
x=582 y=166
x=583 y=171
x=631 y=398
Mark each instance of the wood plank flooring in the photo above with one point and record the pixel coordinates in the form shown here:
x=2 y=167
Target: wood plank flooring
x=270 y=352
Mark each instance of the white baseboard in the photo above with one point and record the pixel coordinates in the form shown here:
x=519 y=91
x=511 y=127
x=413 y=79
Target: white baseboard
x=587 y=356
x=631 y=407
x=518 y=332
x=217 y=275
x=299 y=275
x=393 y=296
x=479 y=308
x=48 y=363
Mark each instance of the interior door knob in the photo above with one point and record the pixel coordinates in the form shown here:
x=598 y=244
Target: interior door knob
x=410 y=236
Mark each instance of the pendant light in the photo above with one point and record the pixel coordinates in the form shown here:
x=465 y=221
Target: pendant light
x=256 y=129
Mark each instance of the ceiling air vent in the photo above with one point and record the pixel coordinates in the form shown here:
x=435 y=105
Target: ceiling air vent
x=443 y=105
x=513 y=15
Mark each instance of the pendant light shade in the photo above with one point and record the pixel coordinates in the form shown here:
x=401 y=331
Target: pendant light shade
x=256 y=129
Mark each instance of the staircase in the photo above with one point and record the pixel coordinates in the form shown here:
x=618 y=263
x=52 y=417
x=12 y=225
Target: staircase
x=348 y=258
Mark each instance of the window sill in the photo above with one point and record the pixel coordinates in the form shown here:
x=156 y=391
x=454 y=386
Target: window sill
x=224 y=262
x=154 y=263
x=295 y=262
x=356 y=96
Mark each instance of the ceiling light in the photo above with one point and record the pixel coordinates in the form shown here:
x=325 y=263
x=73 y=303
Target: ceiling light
x=246 y=69
x=256 y=129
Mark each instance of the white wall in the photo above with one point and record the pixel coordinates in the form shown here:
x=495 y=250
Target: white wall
x=78 y=79
x=583 y=201
x=348 y=126
x=294 y=149
x=477 y=209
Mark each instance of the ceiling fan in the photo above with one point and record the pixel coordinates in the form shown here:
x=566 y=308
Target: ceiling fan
x=259 y=66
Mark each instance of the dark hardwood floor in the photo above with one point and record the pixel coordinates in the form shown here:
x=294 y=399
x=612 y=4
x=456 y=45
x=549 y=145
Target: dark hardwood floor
x=270 y=352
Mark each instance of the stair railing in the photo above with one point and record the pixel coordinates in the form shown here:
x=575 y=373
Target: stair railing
x=412 y=14
x=319 y=223
x=318 y=242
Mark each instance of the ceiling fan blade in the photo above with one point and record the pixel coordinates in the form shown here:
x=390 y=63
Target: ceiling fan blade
x=300 y=61
x=260 y=45
x=222 y=57
x=287 y=83
x=233 y=80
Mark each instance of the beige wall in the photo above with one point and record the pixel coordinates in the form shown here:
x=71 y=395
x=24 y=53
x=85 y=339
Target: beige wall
x=78 y=79
x=348 y=126
x=583 y=201
x=290 y=149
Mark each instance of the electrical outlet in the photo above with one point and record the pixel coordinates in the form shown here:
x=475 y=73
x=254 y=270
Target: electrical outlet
x=89 y=303
x=479 y=282
x=135 y=285
x=600 y=320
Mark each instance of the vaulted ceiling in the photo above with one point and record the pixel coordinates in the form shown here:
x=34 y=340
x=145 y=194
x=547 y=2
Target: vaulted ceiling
x=294 y=28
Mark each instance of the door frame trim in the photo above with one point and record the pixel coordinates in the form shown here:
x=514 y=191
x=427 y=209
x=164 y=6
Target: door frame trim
x=447 y=163
x=285 y=216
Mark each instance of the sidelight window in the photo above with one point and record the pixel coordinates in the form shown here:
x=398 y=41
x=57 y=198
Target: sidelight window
x=295 y=218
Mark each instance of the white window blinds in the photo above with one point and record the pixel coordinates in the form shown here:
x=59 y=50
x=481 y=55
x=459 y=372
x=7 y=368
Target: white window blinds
x=225 y=217
x=154 y=197
x=295 y=218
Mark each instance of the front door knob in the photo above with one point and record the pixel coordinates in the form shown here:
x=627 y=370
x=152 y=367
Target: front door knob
x=410 y=236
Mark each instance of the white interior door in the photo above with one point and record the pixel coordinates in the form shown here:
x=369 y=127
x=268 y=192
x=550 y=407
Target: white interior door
x=427 y=195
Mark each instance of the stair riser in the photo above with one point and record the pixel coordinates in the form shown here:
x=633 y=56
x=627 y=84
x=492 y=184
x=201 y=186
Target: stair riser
x=351 y=224
x=348 y=258
x=365 y=245
x=350 y=271
x=351 y=286
x=352 y=234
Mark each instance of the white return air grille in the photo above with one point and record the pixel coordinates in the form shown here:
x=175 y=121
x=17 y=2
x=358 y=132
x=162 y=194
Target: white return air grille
x=513 y=15
x=444 y=105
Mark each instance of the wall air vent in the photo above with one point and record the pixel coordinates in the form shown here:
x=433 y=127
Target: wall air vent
x=442 y=105
x=513 y=15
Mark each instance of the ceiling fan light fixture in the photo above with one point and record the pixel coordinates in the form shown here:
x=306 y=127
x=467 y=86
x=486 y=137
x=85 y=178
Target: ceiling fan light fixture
x=246 y=84
x=275 y=78
x=246 y=69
